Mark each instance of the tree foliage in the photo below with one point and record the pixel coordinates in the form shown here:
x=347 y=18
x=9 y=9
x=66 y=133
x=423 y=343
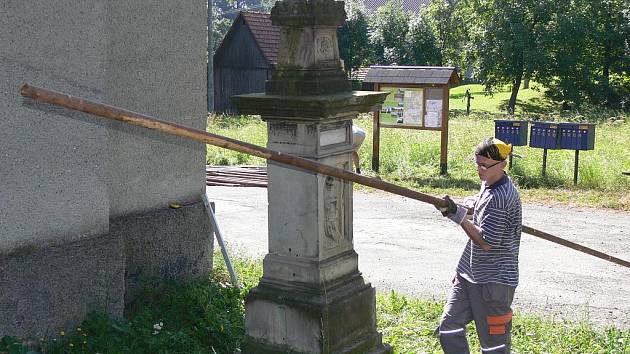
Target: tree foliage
x=505 y=40
x=588 y=44
x=444 y=19
x=354 y=42
x=388 y=35
x=220 y=26
x=399 y=37
x=421 y=44
x=578 y=49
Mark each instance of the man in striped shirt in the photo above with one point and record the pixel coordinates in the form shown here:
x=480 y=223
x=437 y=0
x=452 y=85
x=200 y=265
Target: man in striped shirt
x=487 y=273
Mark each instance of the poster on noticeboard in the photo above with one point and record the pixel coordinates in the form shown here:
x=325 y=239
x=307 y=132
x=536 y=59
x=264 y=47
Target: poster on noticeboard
x=413 y=102
x=433 y=113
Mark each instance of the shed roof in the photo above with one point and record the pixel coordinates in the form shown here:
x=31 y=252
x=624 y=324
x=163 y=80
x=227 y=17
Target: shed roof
x=412 y=75
x=359 y=73
x=267 y=36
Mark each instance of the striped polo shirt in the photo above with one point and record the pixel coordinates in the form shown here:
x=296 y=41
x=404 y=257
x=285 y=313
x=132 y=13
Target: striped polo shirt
x=498 y=215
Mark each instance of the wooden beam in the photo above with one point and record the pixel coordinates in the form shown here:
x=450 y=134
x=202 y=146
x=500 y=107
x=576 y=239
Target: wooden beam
x=119 y=114
x=122 y=115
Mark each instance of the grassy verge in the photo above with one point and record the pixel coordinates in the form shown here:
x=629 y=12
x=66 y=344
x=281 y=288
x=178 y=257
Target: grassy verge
x=529 y=101
x=411 y=158
x=408 y=324
x=245 y=128
x=206 y=316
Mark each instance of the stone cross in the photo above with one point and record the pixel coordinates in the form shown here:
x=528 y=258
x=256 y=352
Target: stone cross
x=312 y=297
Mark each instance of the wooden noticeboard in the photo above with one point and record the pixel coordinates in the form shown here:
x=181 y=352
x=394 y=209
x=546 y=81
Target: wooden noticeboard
x=421 y=107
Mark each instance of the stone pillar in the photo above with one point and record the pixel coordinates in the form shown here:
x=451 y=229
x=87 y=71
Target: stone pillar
x=312 y=297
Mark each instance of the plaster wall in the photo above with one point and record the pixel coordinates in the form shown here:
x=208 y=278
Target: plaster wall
x=73 y=187
x=52 y=180
x=156 y=65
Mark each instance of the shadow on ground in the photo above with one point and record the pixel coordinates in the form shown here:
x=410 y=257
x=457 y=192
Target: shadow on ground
x=446 y=182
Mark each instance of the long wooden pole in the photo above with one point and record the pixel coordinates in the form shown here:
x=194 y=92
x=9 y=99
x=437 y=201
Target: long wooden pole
x=119 y=114
x=115 y=113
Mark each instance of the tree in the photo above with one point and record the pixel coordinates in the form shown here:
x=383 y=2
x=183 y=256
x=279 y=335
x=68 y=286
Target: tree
x=421 y=44
x=354 y=42
x=505 y=39
x=230 y=8
x=389 y=32
x=220 y=26
x=443 y=17
x=587 y=46
x=392 y=37
x=590 y=43
x=570 y=50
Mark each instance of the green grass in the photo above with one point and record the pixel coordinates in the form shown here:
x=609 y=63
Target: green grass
x=249 y=128
x=206 y=316
x=411 y=158
x=408 y=324
x=531 y=100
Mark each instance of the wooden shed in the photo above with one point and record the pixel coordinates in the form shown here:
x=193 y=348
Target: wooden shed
x=245 y=58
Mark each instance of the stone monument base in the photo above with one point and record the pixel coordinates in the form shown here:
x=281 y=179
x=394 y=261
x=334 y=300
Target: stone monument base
x=295 y=318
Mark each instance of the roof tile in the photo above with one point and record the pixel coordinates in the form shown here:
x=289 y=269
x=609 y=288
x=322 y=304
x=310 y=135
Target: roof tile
x=265 y=34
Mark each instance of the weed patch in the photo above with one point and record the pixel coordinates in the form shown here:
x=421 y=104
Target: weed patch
x=195 y=317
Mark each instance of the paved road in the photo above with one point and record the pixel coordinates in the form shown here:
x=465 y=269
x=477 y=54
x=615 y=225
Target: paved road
x=407 y=246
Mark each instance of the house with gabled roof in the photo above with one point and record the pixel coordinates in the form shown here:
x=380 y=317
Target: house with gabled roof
x=245 y=59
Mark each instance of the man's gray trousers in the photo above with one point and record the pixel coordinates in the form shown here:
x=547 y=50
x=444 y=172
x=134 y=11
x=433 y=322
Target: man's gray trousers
x=486 y=304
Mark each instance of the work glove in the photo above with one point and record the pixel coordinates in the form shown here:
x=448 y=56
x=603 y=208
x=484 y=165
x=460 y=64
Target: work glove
x=470 y=202
x=453 y=211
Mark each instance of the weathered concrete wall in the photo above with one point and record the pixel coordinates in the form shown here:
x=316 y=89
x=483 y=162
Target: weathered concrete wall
x=53 y=288
x=52 y=181
x=176 y=248
x=73 y=187
x=156 y=64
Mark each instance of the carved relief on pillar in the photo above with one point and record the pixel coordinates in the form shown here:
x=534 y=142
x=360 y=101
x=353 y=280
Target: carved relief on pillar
x=335 y=213
x=324 y=48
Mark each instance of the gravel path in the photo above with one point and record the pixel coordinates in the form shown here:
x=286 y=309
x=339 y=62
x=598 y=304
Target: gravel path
x=407 y=246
